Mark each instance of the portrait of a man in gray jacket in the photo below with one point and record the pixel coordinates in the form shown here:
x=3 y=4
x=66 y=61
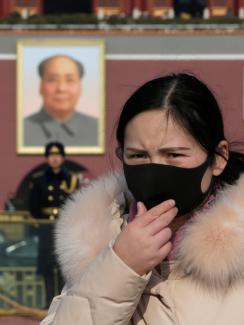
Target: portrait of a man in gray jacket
x=58 y=119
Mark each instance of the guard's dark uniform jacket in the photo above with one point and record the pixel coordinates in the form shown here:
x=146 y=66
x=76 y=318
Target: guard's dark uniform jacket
x=48 y=192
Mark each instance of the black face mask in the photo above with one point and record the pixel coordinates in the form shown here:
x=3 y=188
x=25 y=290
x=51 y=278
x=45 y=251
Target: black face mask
x=154 y=183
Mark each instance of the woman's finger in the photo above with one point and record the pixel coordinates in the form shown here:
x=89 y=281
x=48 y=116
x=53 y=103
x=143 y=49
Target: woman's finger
x=147 y=217
x=162 y=237
x=164 y=251
x=162 y=221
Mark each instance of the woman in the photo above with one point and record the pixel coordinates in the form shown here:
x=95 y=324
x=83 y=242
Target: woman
x=176 y=257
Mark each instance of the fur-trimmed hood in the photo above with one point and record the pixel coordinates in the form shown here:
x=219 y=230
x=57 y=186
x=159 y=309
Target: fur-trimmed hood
x=211 y=250
x=90 y=218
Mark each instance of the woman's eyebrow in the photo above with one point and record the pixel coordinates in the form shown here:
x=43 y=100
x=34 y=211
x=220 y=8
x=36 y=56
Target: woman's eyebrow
x=166 y=149
x=173 y=149
x=135 y=149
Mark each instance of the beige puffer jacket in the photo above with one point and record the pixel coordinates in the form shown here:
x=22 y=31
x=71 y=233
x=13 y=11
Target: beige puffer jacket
x=204 y=286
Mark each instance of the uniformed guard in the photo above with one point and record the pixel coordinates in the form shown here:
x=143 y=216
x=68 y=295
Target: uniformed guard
x=48 y=191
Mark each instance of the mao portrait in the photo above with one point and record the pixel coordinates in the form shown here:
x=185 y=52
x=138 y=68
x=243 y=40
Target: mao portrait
x=65 y=103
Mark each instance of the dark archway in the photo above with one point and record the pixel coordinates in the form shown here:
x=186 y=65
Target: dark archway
x=67 y=6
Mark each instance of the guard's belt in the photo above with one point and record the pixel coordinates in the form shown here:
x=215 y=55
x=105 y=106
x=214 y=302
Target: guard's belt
x=51 y=211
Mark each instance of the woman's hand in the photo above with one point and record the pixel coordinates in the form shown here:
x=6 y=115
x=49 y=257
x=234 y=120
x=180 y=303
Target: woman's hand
x=145 y=242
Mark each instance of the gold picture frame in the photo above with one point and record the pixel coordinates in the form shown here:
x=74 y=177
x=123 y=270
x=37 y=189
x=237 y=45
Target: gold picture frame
x=45 y=113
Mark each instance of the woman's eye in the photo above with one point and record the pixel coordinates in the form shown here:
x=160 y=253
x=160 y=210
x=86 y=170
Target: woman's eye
x=137 y=156
x=174 y=155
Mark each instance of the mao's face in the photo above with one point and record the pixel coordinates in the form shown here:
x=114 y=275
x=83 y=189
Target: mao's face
x=60 y=86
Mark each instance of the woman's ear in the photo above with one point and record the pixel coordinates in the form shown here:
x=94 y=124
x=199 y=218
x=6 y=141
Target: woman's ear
x=220 y=159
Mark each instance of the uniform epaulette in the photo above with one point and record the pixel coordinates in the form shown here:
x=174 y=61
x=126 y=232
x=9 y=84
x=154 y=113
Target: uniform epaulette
x=38 y=174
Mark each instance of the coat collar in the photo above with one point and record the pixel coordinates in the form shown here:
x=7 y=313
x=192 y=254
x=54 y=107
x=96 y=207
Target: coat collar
x=88 y=221
x=211 y=249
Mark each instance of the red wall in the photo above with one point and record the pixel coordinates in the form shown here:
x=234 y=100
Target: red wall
x=5 y=7
x=122 y=77
x=8 y=6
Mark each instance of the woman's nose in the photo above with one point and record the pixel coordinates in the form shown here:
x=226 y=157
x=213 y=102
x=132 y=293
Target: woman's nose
x=157 y=160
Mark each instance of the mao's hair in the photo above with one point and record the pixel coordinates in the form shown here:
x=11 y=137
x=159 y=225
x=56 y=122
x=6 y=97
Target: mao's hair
x=190 y=103
x=43 y=64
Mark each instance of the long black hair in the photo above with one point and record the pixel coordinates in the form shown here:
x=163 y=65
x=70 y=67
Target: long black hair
x=188 y=101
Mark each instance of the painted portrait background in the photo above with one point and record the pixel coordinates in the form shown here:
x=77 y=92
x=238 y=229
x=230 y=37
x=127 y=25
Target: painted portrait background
x=91 y=101
x=88 y=56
